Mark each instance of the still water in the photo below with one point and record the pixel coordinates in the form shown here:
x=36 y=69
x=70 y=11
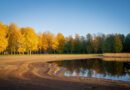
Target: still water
x=97 y=68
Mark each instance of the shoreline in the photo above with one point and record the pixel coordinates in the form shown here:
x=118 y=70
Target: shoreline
x=58 y=73
x=43 y=75
x=33 y=71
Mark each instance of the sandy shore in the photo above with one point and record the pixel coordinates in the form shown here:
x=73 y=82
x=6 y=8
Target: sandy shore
x=26 y=73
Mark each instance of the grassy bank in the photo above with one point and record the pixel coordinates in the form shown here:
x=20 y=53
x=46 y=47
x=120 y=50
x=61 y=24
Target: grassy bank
x=117 y=55
x=53 y=57
x=47 y=57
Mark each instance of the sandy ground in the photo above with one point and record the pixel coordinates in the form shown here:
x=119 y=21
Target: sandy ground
x=33 y=73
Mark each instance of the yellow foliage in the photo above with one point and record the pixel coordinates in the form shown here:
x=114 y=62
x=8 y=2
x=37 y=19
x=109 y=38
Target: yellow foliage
x=14 y=37
x=40 y=42
x=47 y=40
x=44 y=42
x=3 y=43
x=3 y=39
x=61 y=40
x=31 y=39
x=55 y=44
x=21 y=50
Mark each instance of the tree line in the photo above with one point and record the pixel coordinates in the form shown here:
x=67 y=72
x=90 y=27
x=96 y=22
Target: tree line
x=15 y=40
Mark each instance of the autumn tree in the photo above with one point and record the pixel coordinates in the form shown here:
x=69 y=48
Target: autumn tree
x=97 y=43
x=3 y=37
x=31 y=39
x=61 y=40
x=49 y=37
x=24 y=40
x=14 y=38
x=45 y=45
x=40 y=43
x=47 y=42
x=55 y=44
x=118 y=43
x=21 y=45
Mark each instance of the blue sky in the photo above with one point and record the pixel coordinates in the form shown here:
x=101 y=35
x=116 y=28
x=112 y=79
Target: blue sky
x=68 y=16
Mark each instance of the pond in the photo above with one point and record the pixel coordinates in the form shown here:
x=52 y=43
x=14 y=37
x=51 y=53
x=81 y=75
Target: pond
x=96 y=68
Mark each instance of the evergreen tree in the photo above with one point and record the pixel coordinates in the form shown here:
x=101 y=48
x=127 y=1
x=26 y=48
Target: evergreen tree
x=89 y=45
x=127 y=43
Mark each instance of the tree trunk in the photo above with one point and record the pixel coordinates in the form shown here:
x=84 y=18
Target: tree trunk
x=30 y=52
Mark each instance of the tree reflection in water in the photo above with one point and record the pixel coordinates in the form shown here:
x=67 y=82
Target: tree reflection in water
x=96 y=68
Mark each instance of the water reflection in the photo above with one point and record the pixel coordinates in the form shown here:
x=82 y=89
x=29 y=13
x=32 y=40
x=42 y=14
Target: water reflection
x=96 y=68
